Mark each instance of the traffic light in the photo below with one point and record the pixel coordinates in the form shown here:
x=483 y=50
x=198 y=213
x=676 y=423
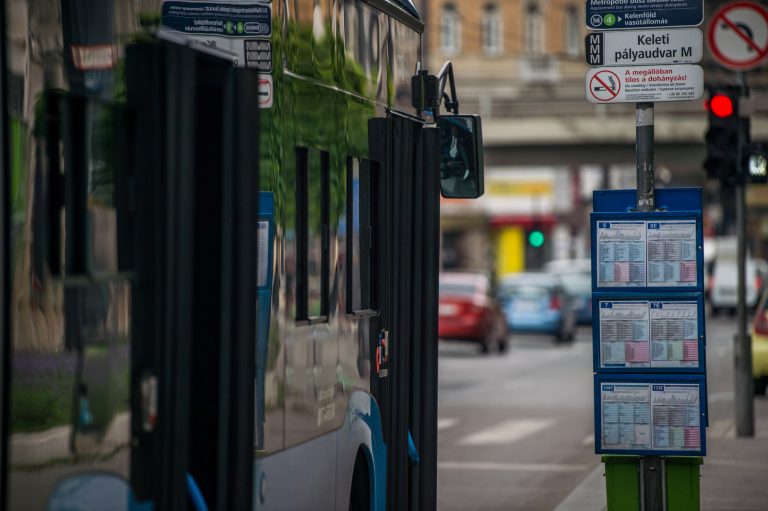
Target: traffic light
x=756 y=162
x=536 y=237
x=727 y=130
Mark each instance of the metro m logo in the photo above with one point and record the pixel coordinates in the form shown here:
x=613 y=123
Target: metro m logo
x=594 y=49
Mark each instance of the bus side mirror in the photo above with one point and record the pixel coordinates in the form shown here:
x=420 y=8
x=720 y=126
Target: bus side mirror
x=461 y=156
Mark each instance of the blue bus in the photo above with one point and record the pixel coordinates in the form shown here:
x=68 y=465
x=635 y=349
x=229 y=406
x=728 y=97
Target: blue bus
x=220 y=254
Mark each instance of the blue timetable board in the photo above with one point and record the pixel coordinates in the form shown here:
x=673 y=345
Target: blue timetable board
x=649 y=333
x=660 y=251
x=656 y=415
x=638 y=14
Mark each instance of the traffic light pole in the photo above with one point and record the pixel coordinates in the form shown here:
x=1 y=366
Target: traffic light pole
x=742 y=349
x=651 y=467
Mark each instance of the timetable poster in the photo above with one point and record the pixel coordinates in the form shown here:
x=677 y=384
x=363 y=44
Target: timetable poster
x=625 y=416
x=621 y=254
x=646 y=254
x=650 y=417
x=672 y=253
x=649 y=334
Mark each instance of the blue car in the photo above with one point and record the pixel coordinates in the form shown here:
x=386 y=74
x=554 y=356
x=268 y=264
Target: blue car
x=538 y=303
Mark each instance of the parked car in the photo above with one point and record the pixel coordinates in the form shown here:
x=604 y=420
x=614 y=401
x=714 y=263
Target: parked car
x=538 y=303
x=576 y=276
x=722 y=284
x=468 y=311
x=760 y=346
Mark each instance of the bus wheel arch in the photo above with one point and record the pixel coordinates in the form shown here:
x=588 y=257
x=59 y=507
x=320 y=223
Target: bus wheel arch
x=361 y=496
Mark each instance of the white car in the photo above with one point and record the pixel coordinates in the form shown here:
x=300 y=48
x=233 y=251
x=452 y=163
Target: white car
x=722 y=285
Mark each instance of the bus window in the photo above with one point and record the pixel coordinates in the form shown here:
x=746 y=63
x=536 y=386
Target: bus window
x=312 y=243
x=361 y=175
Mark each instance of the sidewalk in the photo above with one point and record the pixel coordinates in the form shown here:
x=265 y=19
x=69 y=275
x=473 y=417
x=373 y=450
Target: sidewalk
x=734 y=475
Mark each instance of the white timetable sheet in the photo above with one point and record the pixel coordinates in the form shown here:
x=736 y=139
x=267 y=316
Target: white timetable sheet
x=672 y=253
x=650 y=416
x=640 y=333
x=621 y=254
x=646 y=253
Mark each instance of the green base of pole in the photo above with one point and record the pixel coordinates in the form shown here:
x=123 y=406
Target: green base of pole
x=682 y=481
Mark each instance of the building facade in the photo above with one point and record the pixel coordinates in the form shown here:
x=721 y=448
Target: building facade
x=520 y=65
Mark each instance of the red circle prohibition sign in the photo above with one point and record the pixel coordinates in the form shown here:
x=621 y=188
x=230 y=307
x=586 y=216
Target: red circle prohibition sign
x=597 y=84
x=720 y=17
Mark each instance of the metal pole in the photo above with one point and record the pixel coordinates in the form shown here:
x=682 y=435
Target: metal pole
x=651 y=467
x=646 y=200
x=742 y=352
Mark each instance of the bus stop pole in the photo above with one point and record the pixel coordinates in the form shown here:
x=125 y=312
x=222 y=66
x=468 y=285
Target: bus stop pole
x=651 y=467
x=743 y=385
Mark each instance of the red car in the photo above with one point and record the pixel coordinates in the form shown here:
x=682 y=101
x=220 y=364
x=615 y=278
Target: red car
x=468 y=311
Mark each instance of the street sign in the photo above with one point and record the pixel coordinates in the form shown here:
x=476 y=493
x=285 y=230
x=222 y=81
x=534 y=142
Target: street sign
x=634 y=14
x=678 y=82
x=738 y=35
x=657 y=414
x=641 y=333
x=644 y=47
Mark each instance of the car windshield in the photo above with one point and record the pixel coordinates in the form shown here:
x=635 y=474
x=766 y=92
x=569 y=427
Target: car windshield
x=576 y=283
x=525 y=291
x=453 y=288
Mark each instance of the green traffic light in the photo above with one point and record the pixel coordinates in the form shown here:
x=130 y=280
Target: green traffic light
x=536 y=238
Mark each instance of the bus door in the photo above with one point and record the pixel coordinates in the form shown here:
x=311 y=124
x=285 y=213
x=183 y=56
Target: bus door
x=409 y=241
x=195 y=129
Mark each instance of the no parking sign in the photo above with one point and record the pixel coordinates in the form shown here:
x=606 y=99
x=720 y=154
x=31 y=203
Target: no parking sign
x=738 y=35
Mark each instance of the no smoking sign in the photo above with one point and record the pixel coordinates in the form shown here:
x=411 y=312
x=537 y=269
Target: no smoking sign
x=604 y=86
x=738 y=35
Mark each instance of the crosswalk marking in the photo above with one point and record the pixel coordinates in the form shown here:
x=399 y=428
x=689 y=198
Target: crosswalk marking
x=722 y=428
x=447 y=422
x=506 y=432
x=511 y=467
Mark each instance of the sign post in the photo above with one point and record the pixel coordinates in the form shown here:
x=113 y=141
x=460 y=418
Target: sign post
x=646 y=250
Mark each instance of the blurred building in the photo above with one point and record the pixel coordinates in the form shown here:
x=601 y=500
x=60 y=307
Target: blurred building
x=520 y=64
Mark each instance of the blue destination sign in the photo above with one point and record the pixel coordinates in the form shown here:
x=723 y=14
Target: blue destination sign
x=221 y=19
x=637 y=14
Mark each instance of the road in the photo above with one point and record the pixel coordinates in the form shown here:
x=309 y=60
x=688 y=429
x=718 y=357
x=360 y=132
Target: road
x=515 y=430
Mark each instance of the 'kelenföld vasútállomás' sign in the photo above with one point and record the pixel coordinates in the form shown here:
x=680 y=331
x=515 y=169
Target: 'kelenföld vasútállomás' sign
x=644 y=47
x=636 y=14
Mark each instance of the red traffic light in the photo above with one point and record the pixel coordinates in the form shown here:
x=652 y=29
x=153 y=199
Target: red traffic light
x=721 y=105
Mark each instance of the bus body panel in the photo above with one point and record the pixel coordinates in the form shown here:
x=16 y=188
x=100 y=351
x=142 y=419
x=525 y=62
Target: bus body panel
x=278 y=487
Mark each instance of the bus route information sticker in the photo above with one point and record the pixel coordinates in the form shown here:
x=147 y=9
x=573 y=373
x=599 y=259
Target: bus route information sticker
x=661 y=254
x=621 y=254
x=672 y=253
x=650 y=417
x=661 y=334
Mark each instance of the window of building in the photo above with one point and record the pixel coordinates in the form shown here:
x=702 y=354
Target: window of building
x=534 y=29
x=450 y=29
x=361 y=240
x=492 y=42
x=312 y=243
x=572 y=32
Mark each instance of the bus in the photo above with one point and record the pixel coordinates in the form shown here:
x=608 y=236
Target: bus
x=220 y=225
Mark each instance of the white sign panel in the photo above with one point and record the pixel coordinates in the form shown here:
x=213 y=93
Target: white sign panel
x=649 y=334
x=646 y=254
x=644 y=47
x=621 y=254
x=738 y=35
x=650 y=417
x=679 y=82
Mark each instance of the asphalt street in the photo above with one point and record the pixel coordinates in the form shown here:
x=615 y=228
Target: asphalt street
x=515 y=431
